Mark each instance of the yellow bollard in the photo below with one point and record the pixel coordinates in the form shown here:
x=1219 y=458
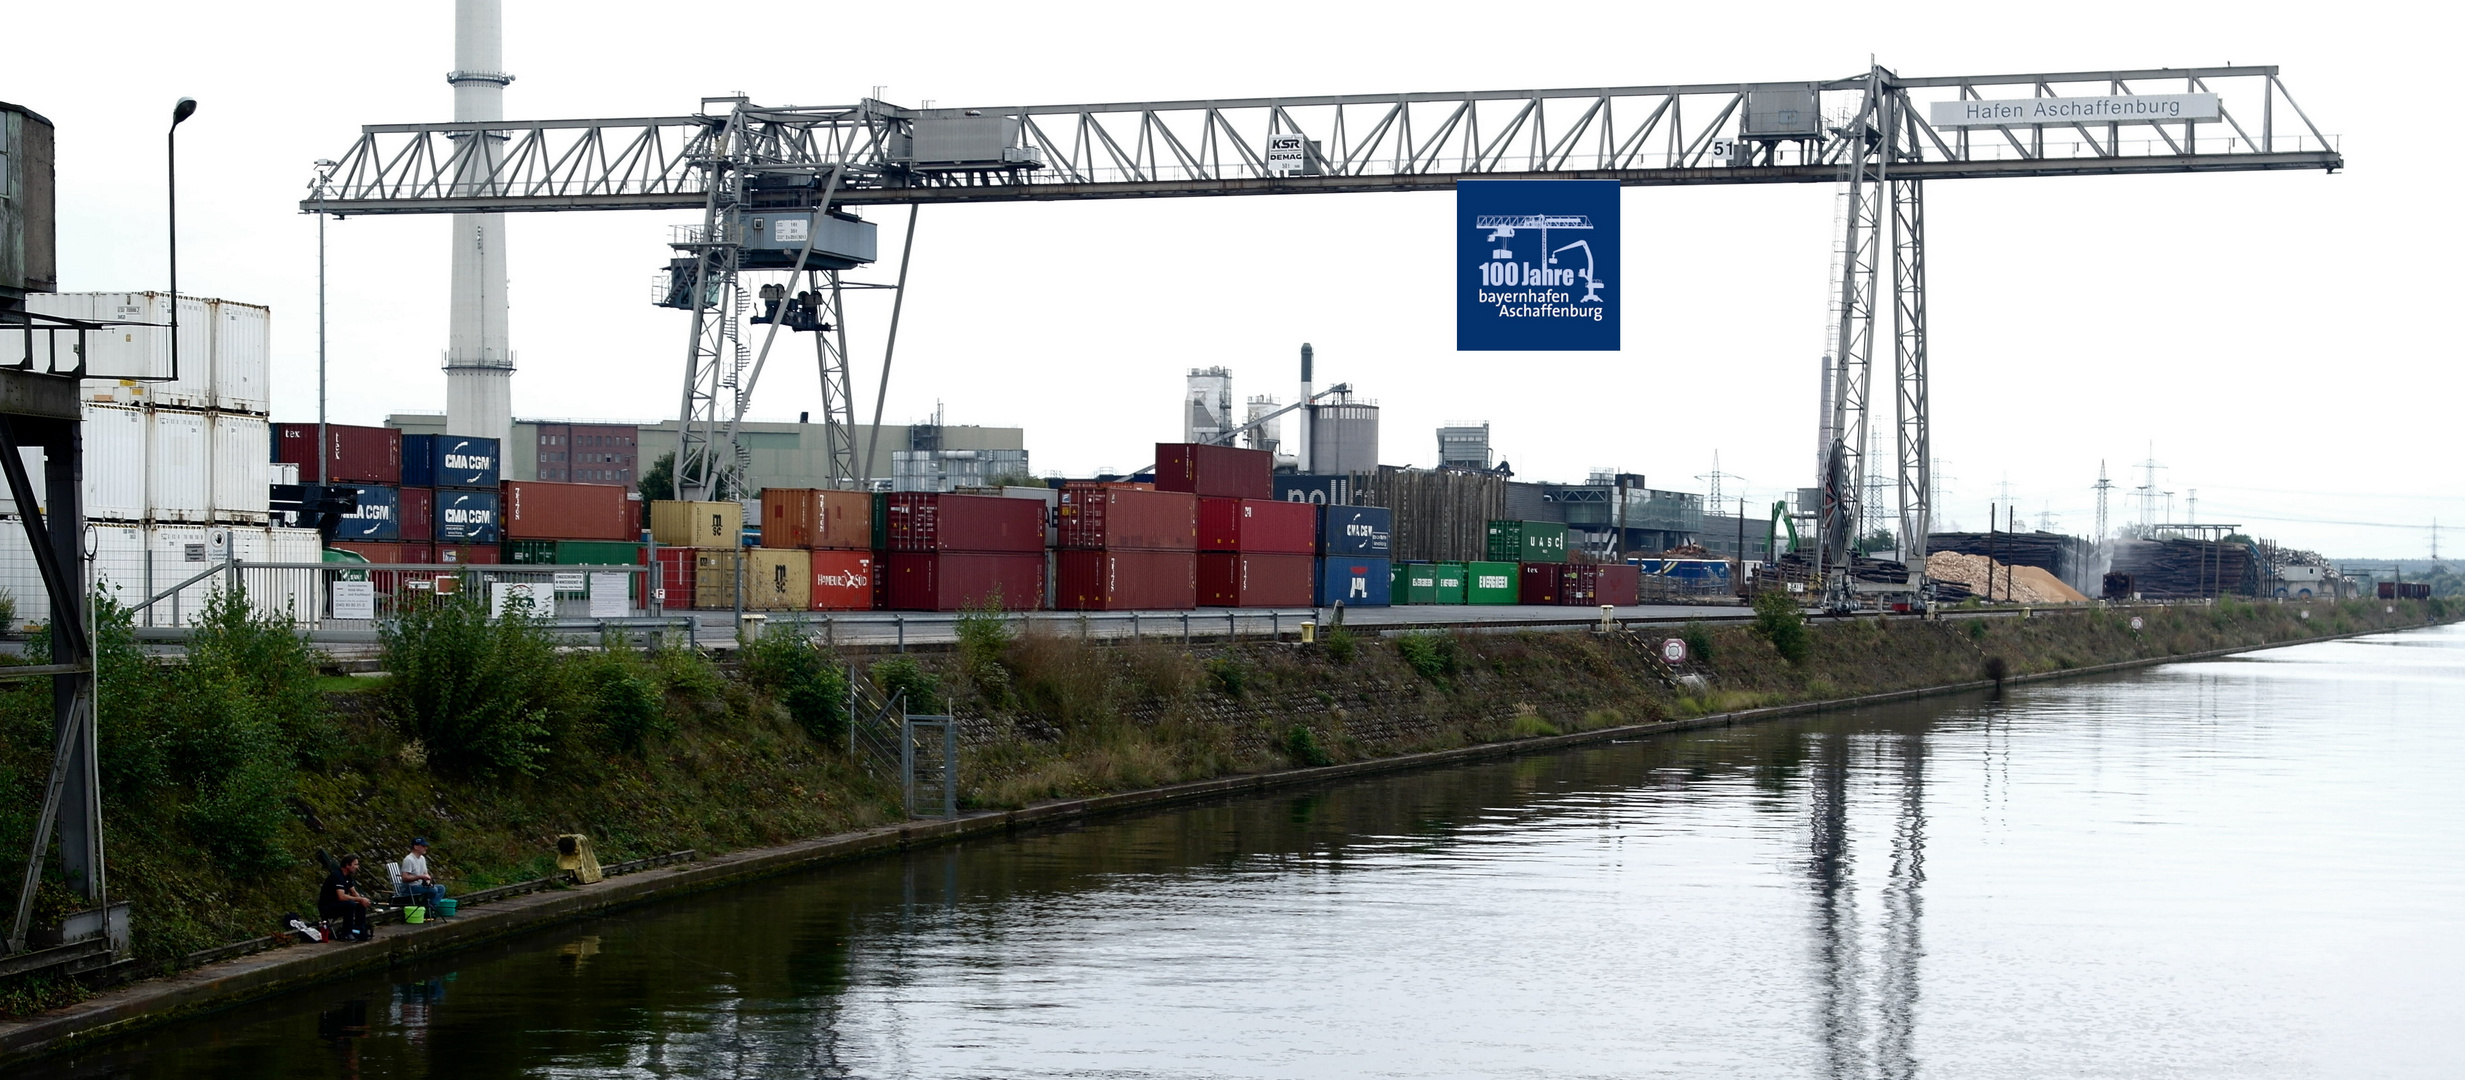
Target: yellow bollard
x=1309 y=633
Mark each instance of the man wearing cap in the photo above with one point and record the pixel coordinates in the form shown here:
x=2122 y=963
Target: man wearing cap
x=417 y=882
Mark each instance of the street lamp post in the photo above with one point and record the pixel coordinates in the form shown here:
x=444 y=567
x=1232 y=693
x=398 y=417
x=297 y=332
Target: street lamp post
x=185 y=108
x=325 y=176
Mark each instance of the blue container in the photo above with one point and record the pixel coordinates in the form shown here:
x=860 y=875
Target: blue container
x=379 y=516
x=1356 y=530
x=467 y=517
x=1323 y=490
x=451 y=461
x=1356 y=580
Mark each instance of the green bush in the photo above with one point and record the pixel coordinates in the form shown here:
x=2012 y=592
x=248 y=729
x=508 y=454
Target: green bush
x=1778 y=620
x=1301 y=745
x=1432 y=654
x=1698 y=639
x=808 y=682
x=479 y=694
x=900 y=674
x=984 y=637
x=1340 y=644
x=1228 y=677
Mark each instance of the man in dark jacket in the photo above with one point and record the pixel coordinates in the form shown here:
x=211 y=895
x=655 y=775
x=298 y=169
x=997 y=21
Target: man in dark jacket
x=339 y=901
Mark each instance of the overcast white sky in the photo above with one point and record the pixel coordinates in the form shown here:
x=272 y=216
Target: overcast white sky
x=2286 y=341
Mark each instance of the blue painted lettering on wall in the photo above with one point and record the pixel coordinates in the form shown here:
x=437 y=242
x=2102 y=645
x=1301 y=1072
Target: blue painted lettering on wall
x=1536 y=265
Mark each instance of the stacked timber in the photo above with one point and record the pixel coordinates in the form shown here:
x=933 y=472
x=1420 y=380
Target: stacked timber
x=1439 y=516
x=2177 y=568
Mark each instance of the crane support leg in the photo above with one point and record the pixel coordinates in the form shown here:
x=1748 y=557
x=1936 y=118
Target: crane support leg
x=1863 y=224
x=1909 y=326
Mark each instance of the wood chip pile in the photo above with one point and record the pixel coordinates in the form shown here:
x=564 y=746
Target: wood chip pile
x=2021 y=584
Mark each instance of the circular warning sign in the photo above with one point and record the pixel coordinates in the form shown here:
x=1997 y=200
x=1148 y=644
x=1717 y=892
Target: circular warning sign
x=1673 y=651
x=2135 y=622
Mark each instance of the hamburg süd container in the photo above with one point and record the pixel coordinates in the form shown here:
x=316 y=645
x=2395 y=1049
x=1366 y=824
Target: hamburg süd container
x=957 y=580
x=1490 y=583
x=842 y=579
x=1125 y=579
x=778 y=579
x=817 y=518
x=1541 y=583
x=465 y=516
x=354 y=454
x=1243 y=579
x=1356 y=530
x=450 y=461
x=1621 y=584
x=1098 y=516
x=379 y=516
x=1527 y=541
x=1263 y=526
x=546 y=510
x=416 y=510
x=1220 y=471
x=697 y=524
x=1354 y=581
x=926 y=522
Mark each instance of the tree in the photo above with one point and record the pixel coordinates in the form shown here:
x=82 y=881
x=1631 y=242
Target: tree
x=658 y=483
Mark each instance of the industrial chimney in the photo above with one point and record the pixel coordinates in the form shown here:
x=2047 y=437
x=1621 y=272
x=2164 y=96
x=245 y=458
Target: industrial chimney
x=479 y=363
x=1303 y=458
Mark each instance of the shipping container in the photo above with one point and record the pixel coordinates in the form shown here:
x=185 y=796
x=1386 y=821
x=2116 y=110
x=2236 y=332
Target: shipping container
x=173 y=554
x=1218 y=471
x=179 y=474
x=680 y=572
x=1356 y=530
x=132 y=360
x=842 y=579
x=1579 y=585
x=243 y=357
x=451 y=461
x=778 y=579
x=379 y=516
x=470 y=554
x=242 y=444
x=697 y=524
x=416 y=511
x=925 y=522
x=546 y=510
x=114 y=449
x=1447 y=586
x=1541 y=583
x=1315 y=490
x=1490 y=583
x=817 y=518
x=387 y=552
x=574 y=552
x=1046 y=496
x=1243 y=579
x=354 y=454
x=1527 y=541
x=282 y=472
x=1263 y=526
x=1621 y=584
x=1356 y=581
x=955 y=580
x=1126 y=579
x=1122 y=518
x=468 y=517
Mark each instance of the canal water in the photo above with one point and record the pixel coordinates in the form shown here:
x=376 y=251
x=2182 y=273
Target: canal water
x=2249 y=867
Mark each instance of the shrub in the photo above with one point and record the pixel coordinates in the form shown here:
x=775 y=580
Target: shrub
x=808 y=682
x=1778 y=620
x=1340 y=644
x=478 y=693
x=1228 y=677
x=984 y=635
x=900 y=674
x=1431 y=654
x=1301 y=745
x=1698 y=639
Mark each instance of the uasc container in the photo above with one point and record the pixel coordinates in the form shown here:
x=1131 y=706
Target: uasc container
x=817 y=518
x=450 y=461
x=355 y=454
x=1354 y=581
x=1356 y=530
x=924 y=522
x=697 y=524
x=1264 y=526
x=1242 y=579
x=1527 y=541
x=547 y=510
x=957 y=580
x=1119 y=579
x=1099 y=516
x=1223 y=471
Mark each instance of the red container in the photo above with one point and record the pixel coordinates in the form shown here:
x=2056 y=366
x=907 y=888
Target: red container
x=954 y=580
x=921 y=522
x=1261 y=526
x=1579 y=584
x=1620 y=584
x=471 y=554
x=1125 y=518
x=1242 y=579
x=417 y=516
x=842 y=580
x=362 y=455
x=817 y=518
x=1119 y=580
x=545 y=510
x=1543 y=583
x=1224 y=471
x=676 y=577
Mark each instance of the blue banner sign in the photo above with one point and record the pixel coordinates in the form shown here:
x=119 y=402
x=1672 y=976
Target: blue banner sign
x=1536 y=265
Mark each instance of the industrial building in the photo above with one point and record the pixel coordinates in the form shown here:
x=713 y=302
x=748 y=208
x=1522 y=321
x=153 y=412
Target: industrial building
x=933 y=457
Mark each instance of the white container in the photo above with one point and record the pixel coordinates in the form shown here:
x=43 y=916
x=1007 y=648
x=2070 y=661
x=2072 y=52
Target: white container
x=179 y=475
x=284 y=472
x=243 y=356
x=115 y=463
x=118 y=356
x=118 y=566
x=240 y=471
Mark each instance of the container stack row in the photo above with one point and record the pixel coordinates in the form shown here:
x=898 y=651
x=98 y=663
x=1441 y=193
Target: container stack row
x=422 y=498
x=1253 y=551
x=1124 y=547
x=1527 y=565
x=832 y=536
x=950 y=552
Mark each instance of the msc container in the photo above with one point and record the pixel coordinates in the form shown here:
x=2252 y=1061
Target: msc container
x=1447 y=586
x=140 y=348
x=1127 y=519
x=1264 y=526
x=778 y=579
x=1541 y=583
x=1356 y=530
x=1354 y=581
x=1620 y=584
x=574 y=552
x=179 y=474
x=697 y=524
x=417 y=512
x=817 y=518
x=450 y=461
x=1221 y=471
x=242 y=472
x=470 y=554
x=1527 y=541
x=546 y=510
x=353 y=454
x=379 y=516
x=1126 y=579
x=1243 y=579
x=842 y=580
x=1490 y=583
x=468 y=517
x=923 y=522
x=955 y=580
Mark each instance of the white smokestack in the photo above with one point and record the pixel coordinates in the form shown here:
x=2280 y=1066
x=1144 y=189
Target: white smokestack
x=479 y=364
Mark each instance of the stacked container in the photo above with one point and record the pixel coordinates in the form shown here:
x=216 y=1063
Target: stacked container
x=1126 y=547
x=834 y=530
x=460 y=505
x=1253 y=551
x=1539 y=547
x=703 y=562
x=950 y=552
x=1354 y=543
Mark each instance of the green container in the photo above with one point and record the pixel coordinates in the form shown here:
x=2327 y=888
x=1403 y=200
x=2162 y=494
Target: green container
x=1450 y=584
x=1419 y=585
x=573 y=553
x=1527 y=541
x=881 y=522
x=1491 y=582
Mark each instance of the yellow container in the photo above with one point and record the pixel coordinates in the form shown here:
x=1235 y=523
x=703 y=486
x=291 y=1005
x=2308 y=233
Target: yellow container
x=714 y=578
x=697 y=524
x=778 y=579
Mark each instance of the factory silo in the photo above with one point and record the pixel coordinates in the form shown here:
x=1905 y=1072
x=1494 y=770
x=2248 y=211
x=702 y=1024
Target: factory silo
x=1343 y=434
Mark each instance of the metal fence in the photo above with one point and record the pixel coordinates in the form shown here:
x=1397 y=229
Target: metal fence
x=348 y=600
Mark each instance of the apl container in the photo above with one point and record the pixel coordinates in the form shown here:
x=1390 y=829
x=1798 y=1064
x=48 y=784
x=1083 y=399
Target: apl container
x=1490 y=583
x=1541 y=583
x=379 y=516
x=1099 y=516
x=1356 y=530
x=842 y=580
x=1356 y=581
x=450 y=461
x=417 y=513
x=1221 y=471
x=1126 y=580
x=697 y=524
x=1263 y=526
x=924 y=522
x=952 y=581
x=354 y=454
x=817 y=518
x=545 y=510
x=468 y=517
x=1527 y=541
x=1242 y=579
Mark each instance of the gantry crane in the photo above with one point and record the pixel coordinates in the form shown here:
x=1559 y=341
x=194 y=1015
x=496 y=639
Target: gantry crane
x=1879 y=134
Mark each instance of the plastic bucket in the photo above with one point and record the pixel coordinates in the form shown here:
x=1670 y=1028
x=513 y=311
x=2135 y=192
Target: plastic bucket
x=415 y=914
x=445 y=908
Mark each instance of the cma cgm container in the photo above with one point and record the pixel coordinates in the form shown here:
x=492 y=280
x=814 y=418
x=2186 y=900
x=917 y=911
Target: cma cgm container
x=1356 y=530
x=1490 y=583
x=1125 y=580
x=924 y=523
x=697 y=524
x=1098 y=516
x=416 y=509
x=379 y=516
x=450 y=461
x=353 y=454
x=1527 y=541
x=1220 y=471
x=1353 y=581
x=955 y=580
x=817 y=518
x=1542 y=583
x=468 y=517
x=1242 y=579
x=545 y=510
x=842 y=580
x=1263 y=526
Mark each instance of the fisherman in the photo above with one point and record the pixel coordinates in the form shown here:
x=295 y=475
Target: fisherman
x=339 y=900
